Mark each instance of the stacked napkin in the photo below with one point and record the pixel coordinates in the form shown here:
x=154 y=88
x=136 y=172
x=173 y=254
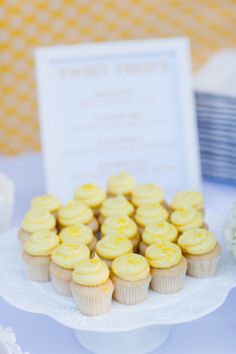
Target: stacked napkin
x=215 y=87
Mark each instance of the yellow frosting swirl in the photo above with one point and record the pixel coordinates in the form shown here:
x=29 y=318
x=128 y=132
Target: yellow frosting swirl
x=38 y=219
x=116 y=206
x=187 y=199
x=163 y=255
x=110 y=247
x=119 y=226
x=197 y=241
x=121 y=184
x=131 y=267
x=186 y=218
x=90 y=194
x=76 y=234
x=158 y=232
x=41 y=243
x=67 y=255
x=91 y=272
x=147 y=214
x=147 y=194
x=73 y=213
x=47 y=201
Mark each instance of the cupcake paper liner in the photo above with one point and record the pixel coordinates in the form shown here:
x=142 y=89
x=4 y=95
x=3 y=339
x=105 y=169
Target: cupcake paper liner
x=93 y=301
x=130 y=292
x=37 y=268
x=62 y=286
x=170 y=280
x=167 y=284
x=93 y=306
x=38 y=272
x=202 y=268
x=61 y=279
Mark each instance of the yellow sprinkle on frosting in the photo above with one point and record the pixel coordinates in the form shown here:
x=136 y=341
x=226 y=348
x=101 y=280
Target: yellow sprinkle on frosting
x=90 y=272
x=121 y=184
x=110 y=247
x=197 y=241
x=41 y=243
x=67 y=255
x=147 y=194
x=158 y=232
x=148 y=214
x=163 y=255
x=186 y=218
x=116 y=206
x=119 y=226
x=47 y=201
x=76 y=233
x=38 y=219
x=187 y=199
x=90 y=194
x=131 y=267
x=74 y=213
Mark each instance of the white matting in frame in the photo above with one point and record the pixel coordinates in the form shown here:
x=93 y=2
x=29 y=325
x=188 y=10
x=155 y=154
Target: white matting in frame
x=120 y=106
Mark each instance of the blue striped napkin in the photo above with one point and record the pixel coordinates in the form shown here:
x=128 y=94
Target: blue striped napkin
x=216 y=117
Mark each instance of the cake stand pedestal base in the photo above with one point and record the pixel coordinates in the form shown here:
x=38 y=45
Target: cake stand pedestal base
x=139 y=341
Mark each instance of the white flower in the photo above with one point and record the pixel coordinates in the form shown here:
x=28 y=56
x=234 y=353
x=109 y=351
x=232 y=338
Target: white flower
x=8 y=342
x=230 y=230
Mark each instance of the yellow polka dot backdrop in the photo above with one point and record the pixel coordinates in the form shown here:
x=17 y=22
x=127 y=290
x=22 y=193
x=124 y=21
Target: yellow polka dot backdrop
x=210 y=25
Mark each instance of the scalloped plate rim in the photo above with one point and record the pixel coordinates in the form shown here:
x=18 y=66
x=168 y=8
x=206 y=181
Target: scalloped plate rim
x=223 y=291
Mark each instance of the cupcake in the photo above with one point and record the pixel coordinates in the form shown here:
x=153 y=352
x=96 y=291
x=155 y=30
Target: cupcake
x=110 y=247
x=75 y=234
x=121 y=184
x=115 y=206
x=188 y=199
x=201 y=251
x=37 y=254
x=168 y=267
x=74 y=213
x=187 y=218
x=121 y=226
x=131 y=278
x=148 y=194
x=47 y=201
x=156 y=233
x=37 y=219
x=91 y=195
x=63 y=260
x=91 y=287
x=149 y=214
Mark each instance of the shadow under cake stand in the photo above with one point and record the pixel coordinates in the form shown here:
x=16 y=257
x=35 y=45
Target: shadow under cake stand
x=125 y=329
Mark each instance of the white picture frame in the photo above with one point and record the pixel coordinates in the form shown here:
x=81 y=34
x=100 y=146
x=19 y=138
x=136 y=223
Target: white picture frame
x=141 y=91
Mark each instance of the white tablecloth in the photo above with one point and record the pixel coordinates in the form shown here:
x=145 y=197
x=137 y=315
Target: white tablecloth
x=38 y=334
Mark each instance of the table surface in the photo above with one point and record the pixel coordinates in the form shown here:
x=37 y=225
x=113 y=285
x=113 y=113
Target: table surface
x=38 y=334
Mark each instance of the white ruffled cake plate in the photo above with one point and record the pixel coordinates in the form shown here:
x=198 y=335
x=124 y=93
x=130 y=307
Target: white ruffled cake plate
x=127 y=329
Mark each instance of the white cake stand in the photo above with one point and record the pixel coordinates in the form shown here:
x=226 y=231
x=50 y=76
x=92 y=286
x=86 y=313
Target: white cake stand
x=125 y=329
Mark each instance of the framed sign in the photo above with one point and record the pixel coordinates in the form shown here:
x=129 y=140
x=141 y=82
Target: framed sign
x=120 y=106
